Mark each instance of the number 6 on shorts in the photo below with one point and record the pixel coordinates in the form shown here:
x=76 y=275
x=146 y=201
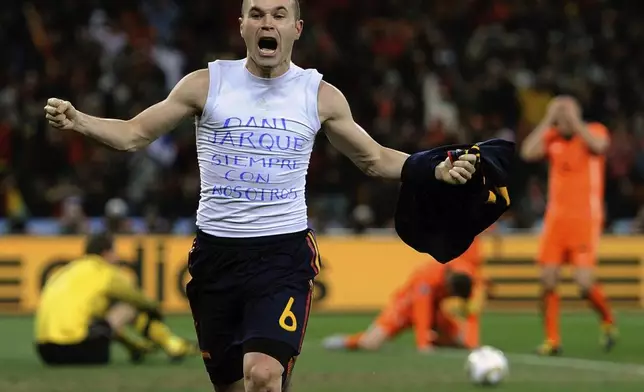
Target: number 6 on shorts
x=287 y=320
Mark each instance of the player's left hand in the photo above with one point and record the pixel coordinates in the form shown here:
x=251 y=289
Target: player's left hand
x=457 y=172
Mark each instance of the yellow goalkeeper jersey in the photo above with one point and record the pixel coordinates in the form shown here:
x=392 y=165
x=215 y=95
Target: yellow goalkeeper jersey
x=77 y=294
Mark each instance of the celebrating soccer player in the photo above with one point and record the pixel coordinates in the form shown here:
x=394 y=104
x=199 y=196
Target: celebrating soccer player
x=254 y=259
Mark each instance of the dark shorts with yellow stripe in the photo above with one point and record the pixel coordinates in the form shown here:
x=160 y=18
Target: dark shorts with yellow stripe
x=251 y=295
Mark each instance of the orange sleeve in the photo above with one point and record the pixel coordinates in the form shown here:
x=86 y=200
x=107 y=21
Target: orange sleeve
x=599 y=130
x=423 y=314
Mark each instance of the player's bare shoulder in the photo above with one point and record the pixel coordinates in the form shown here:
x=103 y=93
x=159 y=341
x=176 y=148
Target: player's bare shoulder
x=332 y=104
x=192 y=89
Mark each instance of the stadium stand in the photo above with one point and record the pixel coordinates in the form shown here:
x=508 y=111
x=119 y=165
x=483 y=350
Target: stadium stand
x=427 y=74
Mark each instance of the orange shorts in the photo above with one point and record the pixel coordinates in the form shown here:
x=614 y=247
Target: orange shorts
x=569 y=241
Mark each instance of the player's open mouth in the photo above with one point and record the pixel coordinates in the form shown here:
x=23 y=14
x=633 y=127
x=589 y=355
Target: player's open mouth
x=267 y=46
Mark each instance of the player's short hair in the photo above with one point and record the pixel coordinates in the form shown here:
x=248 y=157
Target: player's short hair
x=97 y=244
x=295 y=3
x=461 y=285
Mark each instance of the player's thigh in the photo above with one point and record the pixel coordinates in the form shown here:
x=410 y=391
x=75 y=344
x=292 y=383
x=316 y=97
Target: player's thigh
x=584 y=244
x=552 y=245
x=279 y=291
x=282 y=316
x=218 y=322
x=274 y=329
x=214 y=296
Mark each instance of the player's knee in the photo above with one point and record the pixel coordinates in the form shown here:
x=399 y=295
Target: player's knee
x=263 y=373
x=120 y=314
x=262 y=376
x=584 y=279
x=549 y=277
x=584 y=287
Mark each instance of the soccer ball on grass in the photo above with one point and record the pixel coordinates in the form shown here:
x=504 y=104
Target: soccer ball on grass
x=486 y=366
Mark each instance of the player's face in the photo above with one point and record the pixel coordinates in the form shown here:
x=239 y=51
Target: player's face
x=269 y=28
x=563 y=126
x=569 y=111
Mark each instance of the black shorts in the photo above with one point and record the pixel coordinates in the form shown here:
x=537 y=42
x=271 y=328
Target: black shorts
x=251 y=295
x=94 y=350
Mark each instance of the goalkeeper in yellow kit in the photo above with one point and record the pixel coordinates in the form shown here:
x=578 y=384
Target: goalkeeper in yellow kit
x=90 y=303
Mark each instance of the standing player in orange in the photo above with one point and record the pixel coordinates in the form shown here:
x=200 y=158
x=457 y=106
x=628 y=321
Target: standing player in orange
x=575 y=213
x=418 y=305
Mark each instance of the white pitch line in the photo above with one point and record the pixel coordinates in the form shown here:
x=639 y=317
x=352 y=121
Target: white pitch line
x=566 y=362
x=571 y=363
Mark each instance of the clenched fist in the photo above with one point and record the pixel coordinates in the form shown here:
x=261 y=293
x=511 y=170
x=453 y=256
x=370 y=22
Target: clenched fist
x=60 y=114
x=457 y=172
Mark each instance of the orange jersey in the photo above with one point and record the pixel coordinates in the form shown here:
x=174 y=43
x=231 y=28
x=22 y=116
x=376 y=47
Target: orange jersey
x=576 y=179
x=430 y=275
x=471 y=261
x=417 y=303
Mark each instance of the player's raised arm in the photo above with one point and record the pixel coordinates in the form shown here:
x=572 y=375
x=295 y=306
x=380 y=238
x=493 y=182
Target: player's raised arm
x=534 y=146
x=186 y=99
x=372 y=158
x=597 y=140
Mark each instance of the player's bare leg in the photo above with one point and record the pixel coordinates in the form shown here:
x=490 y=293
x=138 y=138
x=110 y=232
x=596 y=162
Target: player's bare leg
x=262 y=373
x=119 y=316
x=550 y=310
x=592 y=292
x=370 y=340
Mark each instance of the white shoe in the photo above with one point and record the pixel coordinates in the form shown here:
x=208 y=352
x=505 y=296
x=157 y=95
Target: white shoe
x=335 y=342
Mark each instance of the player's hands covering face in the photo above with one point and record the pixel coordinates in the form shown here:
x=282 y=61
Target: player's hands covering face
x=457 y=172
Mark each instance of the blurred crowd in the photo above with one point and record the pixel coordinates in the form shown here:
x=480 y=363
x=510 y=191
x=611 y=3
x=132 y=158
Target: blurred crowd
x=417 y=74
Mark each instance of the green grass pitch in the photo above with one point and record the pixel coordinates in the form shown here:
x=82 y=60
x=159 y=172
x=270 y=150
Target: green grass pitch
x=584 y=367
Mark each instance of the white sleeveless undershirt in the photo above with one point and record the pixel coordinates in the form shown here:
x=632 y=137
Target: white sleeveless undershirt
x=254 y=143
